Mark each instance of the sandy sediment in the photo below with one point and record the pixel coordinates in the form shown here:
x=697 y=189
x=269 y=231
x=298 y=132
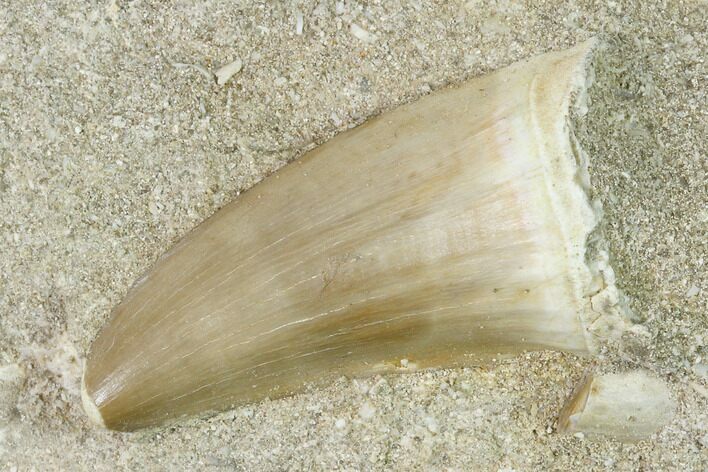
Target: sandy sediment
x=116 y=140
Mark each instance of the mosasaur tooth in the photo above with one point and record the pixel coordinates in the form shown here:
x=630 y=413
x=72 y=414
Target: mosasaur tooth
x=444 y=232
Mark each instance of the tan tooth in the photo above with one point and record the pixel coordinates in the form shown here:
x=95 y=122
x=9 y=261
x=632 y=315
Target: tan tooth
x=628 y=406
x=443 y=232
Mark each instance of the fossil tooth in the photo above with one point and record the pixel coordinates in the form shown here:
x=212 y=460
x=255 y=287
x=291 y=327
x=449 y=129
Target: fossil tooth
x=628 y=406
x=441 y=233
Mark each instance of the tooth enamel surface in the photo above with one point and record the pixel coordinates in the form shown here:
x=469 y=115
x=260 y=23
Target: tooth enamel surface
x=444 y=232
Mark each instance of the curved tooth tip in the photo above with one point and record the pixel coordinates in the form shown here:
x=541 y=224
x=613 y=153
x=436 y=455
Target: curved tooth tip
x=92 y=411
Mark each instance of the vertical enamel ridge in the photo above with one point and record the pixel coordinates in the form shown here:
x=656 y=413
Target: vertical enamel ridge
x=446 y=231
x=92 y=411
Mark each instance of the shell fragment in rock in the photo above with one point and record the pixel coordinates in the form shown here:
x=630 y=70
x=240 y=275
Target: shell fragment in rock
x=443 y=232
x=628 y=406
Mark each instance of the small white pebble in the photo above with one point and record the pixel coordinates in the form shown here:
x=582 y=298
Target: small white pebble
x=701 y=370
x=118 y=121
x=10 y=373
x=361 y=33
x=407 y=442
x=362 y=386
x=298 y=22
x=280 y=81
x=340 y=423
x=404 y=362
x=367 y=411
x=579 y=435
x=432 y=424
x=224 y=73
x=692 y=291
